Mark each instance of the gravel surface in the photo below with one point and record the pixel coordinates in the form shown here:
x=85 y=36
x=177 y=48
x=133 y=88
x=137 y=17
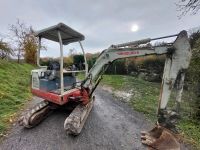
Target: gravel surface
x=111 y=125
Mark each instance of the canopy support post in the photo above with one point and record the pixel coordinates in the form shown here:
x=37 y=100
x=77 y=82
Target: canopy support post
x=61 y=64
x=85 y=59
x=38 y=52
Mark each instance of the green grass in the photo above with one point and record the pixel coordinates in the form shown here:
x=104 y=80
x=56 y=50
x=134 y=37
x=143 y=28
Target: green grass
x=115 y=81
x=145 y=94
x=80 y=76
x=145 y=100
x=14 y=90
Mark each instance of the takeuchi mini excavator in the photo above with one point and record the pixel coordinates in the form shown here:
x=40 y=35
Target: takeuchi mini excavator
x=58 y=87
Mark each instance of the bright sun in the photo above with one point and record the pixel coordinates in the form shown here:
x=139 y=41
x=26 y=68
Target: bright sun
x=134 y=28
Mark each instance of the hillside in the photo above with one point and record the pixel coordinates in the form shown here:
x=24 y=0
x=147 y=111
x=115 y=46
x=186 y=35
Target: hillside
x=14 y=90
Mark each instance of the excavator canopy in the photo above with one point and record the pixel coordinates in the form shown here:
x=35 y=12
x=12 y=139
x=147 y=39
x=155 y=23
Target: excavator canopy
x=68 y=34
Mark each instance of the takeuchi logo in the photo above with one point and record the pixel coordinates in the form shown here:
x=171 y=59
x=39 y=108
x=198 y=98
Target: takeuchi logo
x=128 y=53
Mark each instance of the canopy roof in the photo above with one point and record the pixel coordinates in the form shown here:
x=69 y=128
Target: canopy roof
x=68 y=34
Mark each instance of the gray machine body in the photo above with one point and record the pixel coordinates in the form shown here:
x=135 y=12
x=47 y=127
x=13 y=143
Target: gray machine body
x=50 y=85
x=43 y=83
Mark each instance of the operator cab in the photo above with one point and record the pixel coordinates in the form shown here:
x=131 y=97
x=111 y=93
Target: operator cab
x=54 y=78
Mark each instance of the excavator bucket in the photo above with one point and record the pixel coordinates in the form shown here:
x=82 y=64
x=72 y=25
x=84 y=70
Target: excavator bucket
x=160 y=138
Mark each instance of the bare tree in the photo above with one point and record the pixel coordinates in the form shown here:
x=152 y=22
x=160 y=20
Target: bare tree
x=19 y=33
x=186 y=6
x=24 y=41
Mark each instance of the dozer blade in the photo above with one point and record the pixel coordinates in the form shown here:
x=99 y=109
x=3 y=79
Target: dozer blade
x=160 y=138
x=76 y=120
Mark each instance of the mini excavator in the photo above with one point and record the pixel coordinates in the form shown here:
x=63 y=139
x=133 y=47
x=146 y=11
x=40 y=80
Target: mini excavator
x=58 y=87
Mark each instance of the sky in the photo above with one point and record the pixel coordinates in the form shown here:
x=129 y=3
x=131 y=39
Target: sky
x=103 y=22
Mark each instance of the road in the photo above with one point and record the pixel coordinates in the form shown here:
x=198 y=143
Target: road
x=111 y=125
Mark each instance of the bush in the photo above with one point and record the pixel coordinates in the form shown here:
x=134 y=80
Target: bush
x=193 y=74
x=117 y=67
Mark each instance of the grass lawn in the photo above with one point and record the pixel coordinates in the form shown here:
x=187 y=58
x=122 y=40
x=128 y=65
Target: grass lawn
x=14 y=90
x=145 y=99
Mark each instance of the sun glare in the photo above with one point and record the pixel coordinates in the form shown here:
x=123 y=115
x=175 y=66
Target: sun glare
x=134 y=28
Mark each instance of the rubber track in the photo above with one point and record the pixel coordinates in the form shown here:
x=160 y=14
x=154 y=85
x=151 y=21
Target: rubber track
x=24 y=119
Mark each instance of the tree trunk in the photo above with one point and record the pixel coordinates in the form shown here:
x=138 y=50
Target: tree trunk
x=18 y=56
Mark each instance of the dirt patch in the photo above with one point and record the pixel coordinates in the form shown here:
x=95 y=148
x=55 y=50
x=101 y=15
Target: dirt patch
x=123 y=95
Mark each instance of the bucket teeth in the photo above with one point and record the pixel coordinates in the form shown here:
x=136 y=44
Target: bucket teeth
x=160 y=138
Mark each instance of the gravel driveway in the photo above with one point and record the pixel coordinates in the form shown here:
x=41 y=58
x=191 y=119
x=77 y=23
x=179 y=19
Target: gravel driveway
x=111 y=125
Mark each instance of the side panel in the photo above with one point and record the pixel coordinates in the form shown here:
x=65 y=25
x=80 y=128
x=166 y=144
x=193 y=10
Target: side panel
x=55 y=98
x=36 y=74
x=35 y=81
x=48 y=96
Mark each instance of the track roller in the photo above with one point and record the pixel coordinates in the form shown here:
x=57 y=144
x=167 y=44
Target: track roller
x=35 y=115
x=76 y=120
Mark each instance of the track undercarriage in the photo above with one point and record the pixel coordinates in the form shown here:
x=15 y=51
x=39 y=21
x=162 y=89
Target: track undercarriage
x=73 y=123
x=36 y=114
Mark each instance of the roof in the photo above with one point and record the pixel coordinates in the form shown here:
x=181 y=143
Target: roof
x=68 y=34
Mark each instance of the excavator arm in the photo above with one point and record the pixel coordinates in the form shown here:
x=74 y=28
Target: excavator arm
x=113 y=53
x=178 y=56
